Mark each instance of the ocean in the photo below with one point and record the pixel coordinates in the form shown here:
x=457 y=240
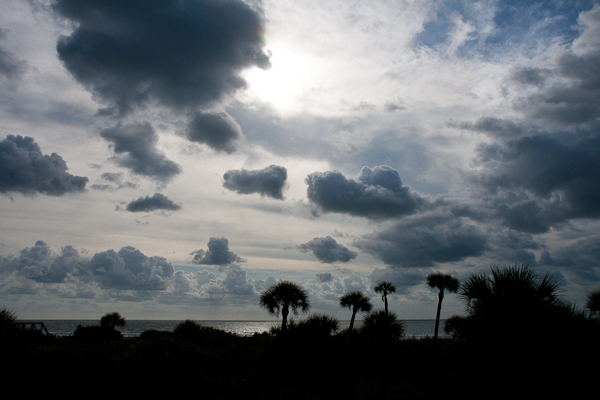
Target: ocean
x=413 y=328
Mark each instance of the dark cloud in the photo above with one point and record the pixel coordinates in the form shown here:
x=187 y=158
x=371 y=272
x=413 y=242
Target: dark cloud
x=217 y=130
x=496 y=127
x=135 y=148
x=217 y=254
x=129 y=269
x=421 y=245
x=24 y=169
x=269 y=181
x=325 y=277
x=157 y=202
x=581 y=257
x=529 y=76
x=376 y=193
x=182 y=54
x=558 y=177
x=327 y=250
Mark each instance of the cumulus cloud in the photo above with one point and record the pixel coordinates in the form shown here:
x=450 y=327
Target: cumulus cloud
x=183 y=55
x=127 y=269
x=217 y=130
x=157 y=202
x=421 y=244
x=130 y=269
x=325 y=277
x=327 y=250
x=135 y=148
x=217 y=254
x=376 y=193
x=24 y=169
x=269 y=181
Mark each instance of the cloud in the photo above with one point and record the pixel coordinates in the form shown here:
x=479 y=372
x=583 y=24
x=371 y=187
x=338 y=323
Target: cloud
x=135 y=148
x=24 y=169
x=560 y=183
x=10 y=67
x=130 y=269
x=327 y=250
x=183 y=55
x=116 y=178
x=157 y=202
x=325 y=277
x=217 y=130
x=421 y=243
x=376 y=193
x=217 y=254
x=269 y=181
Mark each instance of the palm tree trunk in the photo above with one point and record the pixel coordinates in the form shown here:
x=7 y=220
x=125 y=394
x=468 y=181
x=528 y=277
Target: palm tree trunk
x=385 y=303
x=354 y=311
x=437 y=315
x=284 y=315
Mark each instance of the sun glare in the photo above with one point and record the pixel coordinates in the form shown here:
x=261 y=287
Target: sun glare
x=282 y=86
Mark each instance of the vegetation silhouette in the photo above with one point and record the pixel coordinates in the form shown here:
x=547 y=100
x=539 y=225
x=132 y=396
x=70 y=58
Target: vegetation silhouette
x=106 y=331
x=7 y=324
x=285 y=296
x=593 y=302
x=357 y=302
x=382 y=326
x=441 y=282
x=385 y=288
x=516 y=320
x=112 y=320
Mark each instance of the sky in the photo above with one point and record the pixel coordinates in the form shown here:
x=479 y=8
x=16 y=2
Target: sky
x=173 y=159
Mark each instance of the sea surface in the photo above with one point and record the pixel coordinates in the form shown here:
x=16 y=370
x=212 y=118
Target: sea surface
x=413 y=328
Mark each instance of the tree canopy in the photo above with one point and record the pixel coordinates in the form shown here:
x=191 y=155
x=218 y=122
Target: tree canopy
x=285 y=296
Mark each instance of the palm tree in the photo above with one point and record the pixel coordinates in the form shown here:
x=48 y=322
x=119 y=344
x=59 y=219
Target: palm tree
x=382 y=326
x=285 y=296
x=441 y=282
x=593 y=302
x=385 y=288
x=356 y=301
x=112 y=320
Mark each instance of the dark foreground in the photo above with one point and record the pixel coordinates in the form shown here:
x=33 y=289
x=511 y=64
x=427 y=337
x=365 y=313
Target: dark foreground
x=216 y=365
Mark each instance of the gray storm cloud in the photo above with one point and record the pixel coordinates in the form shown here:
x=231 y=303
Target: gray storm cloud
x=157 y=202
x=182 y=54
x=24 y=169
x=422 y=245
x=217 y=254
x=269 y=181
x=217 y=130
x=327 y=250
x=376 y=193
x=127 y=269
x=135 y=148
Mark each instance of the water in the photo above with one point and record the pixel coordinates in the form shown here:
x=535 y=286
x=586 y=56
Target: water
x=413 y=328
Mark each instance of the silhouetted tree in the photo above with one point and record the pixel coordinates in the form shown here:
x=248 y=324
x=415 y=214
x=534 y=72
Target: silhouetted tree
x=385 y=288
x=441 y=282
x=7 y=323
x=112 y=320
x=357 y=302
x=285 y=296
x=382 y=325
x=593 y=302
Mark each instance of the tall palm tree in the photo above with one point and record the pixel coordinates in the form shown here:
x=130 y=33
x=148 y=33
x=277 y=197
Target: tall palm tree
x=441 y=282
x=285 y=296
x=356 y=301
x=385 y=288
x=593 y=302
